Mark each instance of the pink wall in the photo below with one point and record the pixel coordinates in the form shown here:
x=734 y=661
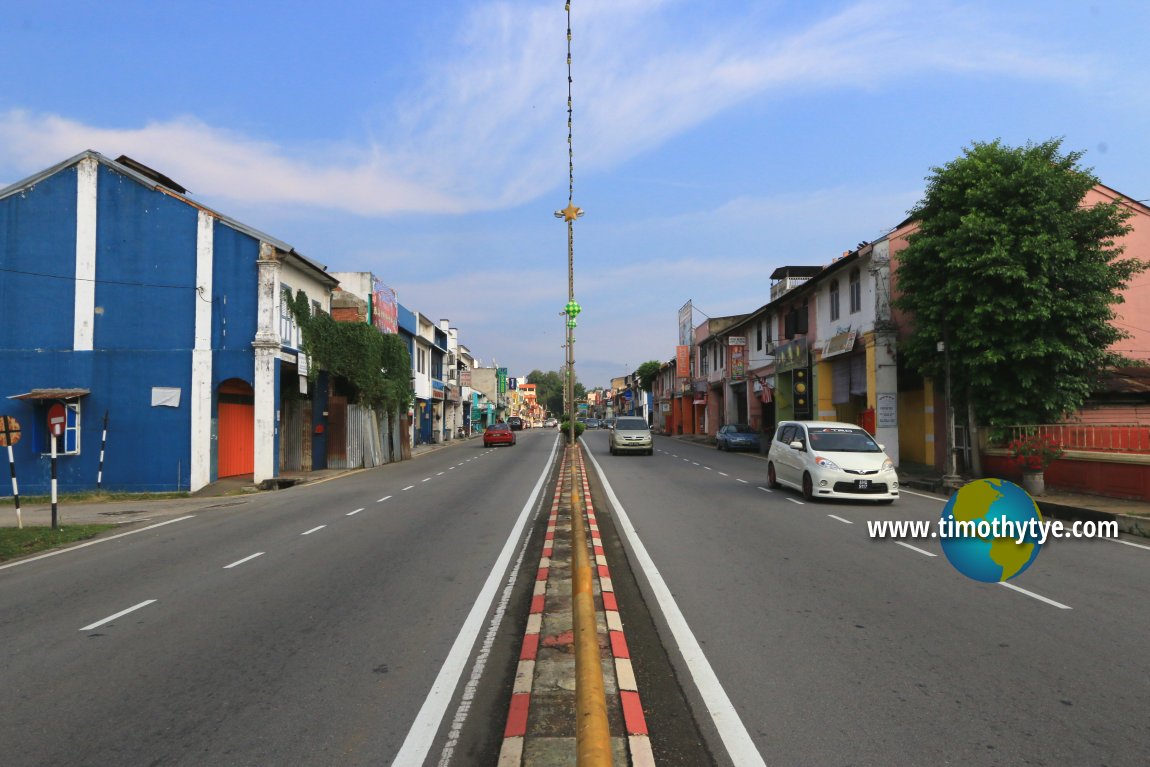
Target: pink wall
x=1133 y=315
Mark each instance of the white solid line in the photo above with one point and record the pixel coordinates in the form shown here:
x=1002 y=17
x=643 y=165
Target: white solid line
x=731 y=729
x=384 y=498
x=309 y=532
x=92 y=543
x=111 y=618
x=1128 y=543
x=245 y=559
x=409 y=487
x=915 y=548
x=353 y=513
x=792 y=500
x=840 y=519
x=741 y=480
x=427 y=722
x=1039 y=597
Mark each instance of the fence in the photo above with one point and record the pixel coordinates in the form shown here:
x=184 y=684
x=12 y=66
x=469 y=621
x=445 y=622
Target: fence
x=1094 y=437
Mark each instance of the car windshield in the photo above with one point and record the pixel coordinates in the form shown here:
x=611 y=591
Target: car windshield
x=630 y=424
x=743 y=428
x=498 y=427
x=832 y=440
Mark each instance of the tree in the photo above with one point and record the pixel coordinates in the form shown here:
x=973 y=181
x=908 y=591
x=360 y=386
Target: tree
x=549 y=389
x=647 y=372
x=1018 y=277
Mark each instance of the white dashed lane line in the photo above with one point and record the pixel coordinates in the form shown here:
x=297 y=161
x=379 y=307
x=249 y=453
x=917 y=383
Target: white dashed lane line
x=353 y=513
x=792 y=500
x=840 y=519
x=409 y=487
x=741 y=480
x=916 y=548
x=723 y=474
x=245 y=559
x=425 y=479
x=309 y=532
x=120 y=614
x=766 y=489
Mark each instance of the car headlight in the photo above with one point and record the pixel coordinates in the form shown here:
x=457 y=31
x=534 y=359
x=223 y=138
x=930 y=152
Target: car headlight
x=826 y=463
x=888 y=465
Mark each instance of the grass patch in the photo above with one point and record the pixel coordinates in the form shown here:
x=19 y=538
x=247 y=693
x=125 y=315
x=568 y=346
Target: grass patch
x=20 y=542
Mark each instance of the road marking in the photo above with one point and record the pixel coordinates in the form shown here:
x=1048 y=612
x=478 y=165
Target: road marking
x=840 y=519
x=792 y=500
x=439 y=473
x=741 y=480
x=92 y=543
x=731 y=729
x=425 y=479
x=708 y=468
x=766 y=489
x=1039 y=597
x=353 y=513
x=723 y=474
x=309 y=532
x=428 y=721
x=384 y=498
x=696 y=463
x=1128 y=543
x=122 y=613
x=245 y=559
x=915 y=548
x=409 y=487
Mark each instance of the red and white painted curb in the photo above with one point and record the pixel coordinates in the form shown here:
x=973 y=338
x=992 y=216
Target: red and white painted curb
x=635 y=724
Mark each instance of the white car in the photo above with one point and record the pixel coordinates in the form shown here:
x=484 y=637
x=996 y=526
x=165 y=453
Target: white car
x=824 y=459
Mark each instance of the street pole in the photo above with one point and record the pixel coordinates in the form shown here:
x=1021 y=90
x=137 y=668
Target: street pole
x=951 y=479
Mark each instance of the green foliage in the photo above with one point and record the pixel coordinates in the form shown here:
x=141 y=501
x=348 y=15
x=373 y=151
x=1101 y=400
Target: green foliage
x=377 y=365
x=647 y=373
x=565 y=427
x=1017 y=277
x=549 y=389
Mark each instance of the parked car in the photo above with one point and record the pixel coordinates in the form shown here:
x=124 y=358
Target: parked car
x=498 y=434
x=550 y=423
x=824 y=459
x=737 y=436
x=631 y=435
x=515 y=422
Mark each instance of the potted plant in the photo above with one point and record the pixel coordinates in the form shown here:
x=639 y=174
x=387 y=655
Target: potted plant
x=1034 y=452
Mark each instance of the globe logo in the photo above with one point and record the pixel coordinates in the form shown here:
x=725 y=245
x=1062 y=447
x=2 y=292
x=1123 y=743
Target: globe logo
x=990 y=530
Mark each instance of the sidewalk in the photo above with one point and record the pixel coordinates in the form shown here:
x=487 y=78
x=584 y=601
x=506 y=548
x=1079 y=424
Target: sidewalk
x=226 y=492
x=1133 y=517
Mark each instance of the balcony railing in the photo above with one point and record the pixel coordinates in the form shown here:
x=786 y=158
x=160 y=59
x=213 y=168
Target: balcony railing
x=1094 y=437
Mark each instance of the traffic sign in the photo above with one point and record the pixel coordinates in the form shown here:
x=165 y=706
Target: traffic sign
x=57 y=415
x=9 y=431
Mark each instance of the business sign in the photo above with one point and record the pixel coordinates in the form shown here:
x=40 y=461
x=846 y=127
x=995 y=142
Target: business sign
x=736 y=340
x=501 y=380
x=840 y=343
x=737 y=359
x=685 y=313
x=791 y=355
x=437 y=389
x=683 y=361
x=384 y=307
x=886 y=410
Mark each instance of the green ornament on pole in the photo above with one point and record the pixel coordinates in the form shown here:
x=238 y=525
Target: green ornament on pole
x=572 y=309
x=571 y=323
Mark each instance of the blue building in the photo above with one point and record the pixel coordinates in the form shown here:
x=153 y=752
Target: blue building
x=125 y=300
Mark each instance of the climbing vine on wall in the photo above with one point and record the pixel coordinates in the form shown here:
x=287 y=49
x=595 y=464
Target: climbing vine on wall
x=377 y=365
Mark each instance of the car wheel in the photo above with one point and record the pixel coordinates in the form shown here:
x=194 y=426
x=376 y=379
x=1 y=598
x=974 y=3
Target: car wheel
x=772 y=481
x=808 y=487
x=718 y=445
x=611 y=449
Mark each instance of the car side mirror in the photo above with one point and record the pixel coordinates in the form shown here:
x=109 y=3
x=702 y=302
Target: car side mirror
x=797 y=445
x=882 y=447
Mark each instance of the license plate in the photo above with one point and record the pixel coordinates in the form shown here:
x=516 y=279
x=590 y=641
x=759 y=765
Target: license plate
x=862 y=484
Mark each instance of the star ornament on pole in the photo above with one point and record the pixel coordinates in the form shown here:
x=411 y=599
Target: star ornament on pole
x=570 y=213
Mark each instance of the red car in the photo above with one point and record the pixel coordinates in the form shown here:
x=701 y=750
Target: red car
x=498 y=434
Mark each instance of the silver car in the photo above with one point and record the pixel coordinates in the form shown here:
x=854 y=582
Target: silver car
x=631 y=435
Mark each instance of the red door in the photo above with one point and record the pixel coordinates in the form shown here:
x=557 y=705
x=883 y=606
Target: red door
x=236 y=443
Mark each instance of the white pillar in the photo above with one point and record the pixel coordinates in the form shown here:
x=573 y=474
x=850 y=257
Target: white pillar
x=84 y=300
x=201 y=388
x=267 y=346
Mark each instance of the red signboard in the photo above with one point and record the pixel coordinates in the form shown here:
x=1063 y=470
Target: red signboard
x=683 y=361
x=57 y=415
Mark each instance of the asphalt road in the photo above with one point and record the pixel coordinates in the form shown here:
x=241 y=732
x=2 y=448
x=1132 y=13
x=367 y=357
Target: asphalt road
x=802 y=641
x=330 y=624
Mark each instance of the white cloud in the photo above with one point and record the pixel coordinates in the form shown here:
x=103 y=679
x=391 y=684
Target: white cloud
x=486 y=128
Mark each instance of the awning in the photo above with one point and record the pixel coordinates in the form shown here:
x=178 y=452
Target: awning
x=41 y=394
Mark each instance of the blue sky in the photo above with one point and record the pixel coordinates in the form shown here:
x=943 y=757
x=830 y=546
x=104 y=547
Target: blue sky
x=425 y=140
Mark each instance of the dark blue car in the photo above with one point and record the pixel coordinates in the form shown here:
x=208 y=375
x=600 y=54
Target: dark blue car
x=737 y=436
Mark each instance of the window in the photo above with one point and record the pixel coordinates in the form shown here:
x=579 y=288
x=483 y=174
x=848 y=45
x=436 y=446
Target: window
x=759 y=337
x=856 y=291
x=287 y=322
x=834 y=300
x=69 y=442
